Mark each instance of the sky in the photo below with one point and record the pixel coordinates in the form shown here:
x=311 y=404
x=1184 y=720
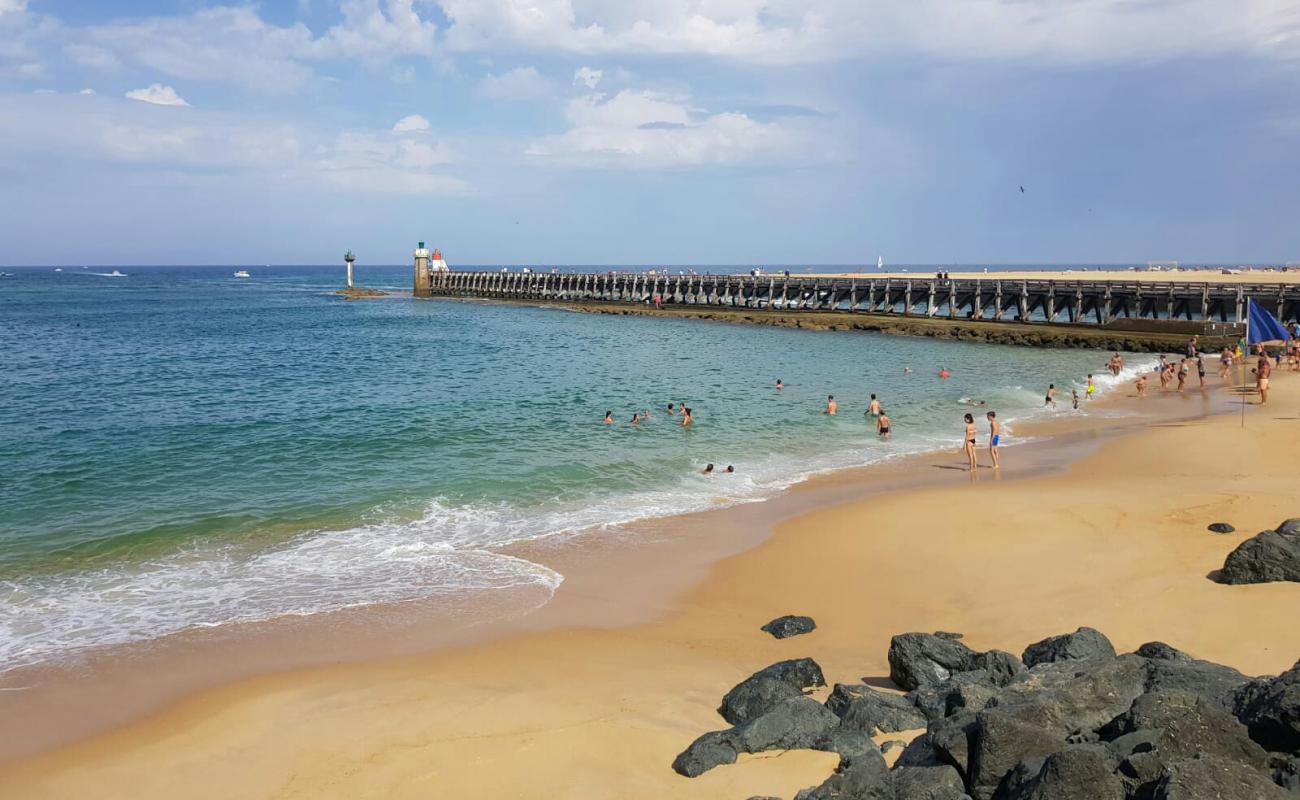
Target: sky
x=744 y=132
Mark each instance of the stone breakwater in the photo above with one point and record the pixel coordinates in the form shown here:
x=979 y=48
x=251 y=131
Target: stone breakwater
x=1010 y=333
x=1067 y=719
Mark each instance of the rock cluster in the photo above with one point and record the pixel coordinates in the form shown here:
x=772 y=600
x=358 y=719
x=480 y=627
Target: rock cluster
x=1069 y=719
x=1267 y=556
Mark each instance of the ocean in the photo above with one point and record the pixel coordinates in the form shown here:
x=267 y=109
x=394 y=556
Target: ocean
x=185 y=449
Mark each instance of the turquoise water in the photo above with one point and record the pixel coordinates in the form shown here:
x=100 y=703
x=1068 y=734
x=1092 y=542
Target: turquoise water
x=182 y=448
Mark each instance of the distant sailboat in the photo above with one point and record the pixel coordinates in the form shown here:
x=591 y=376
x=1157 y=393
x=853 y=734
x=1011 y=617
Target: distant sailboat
x=880 y=262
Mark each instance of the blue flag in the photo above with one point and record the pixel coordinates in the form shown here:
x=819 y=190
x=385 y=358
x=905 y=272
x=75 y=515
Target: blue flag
x=1263 y=326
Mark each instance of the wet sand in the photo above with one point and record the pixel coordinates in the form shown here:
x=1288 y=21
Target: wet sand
x=624 y=668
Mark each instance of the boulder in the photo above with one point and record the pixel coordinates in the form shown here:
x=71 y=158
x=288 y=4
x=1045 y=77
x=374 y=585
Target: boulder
x=795 y=723
x=1178 y=726
x=1085 y=644
x=920 y=659
x=790 y=625
x=1263 y=558
x=847 y=744
x=927 y=783
x=863 y=709
x=918 y=753
x=1221 y=527
x=1003 y=668
x=1170 y=670
x=755 y=696
x=950 y=741
x=1270 y=709
x=705 y=753
x=1072 y=698
x=1289 y=526
x=1286 y=772
x=1217 y=778
x=760 y=692
x=1000 y=742
x=964 y=691
x=1079 y=772
x=865 y=778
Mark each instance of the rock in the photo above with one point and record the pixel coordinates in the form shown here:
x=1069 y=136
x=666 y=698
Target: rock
x=1000 y=742
x=1217 y=778
x=919 y=659
x=927 y=783
x=950 y=741
x=795 y=723
x=918 y=753
x=866 y=778
x=1070 y=697
x=758 y=693
x=1003 y=667
x=1178 y=726
x=964 y=691
x=705 y=753
x=789 y=625
x=754 y=696
x=1170 y=670
x=1265 y=557
x=1085 y=644
x=1286 y=772
x=1289 y=526
x=890 y=746
x=848 y=744
x=1221 y=527
x=1270 y=709
x=1080 y=772
x=866 y=710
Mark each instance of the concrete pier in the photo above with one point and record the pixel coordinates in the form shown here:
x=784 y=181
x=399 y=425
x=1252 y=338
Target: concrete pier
x=1111 y=302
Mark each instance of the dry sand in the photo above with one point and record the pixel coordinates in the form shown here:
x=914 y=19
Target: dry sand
x=1117 y=541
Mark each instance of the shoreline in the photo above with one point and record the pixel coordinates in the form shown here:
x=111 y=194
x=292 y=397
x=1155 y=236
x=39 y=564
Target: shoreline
x=609 y=583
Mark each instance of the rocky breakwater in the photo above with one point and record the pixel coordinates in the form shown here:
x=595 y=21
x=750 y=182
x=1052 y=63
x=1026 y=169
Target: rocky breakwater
x=1068 y=719
x=1266 y=557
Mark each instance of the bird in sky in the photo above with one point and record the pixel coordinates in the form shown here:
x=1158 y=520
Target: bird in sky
x=1022 y=190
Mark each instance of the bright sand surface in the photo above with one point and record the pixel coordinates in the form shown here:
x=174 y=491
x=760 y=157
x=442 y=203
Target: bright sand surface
x=1117 y=541
x=1257 y=276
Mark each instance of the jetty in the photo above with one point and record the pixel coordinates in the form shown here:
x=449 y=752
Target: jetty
x=1138 y=312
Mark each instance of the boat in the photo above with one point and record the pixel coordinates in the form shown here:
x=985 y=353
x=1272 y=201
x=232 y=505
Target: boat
x=58 y=269
x=242 y=273
x=6 y=274
x=114 y=274
x=880 y=262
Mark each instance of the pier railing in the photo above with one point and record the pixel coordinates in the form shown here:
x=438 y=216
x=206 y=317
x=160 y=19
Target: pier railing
x=1085 y=301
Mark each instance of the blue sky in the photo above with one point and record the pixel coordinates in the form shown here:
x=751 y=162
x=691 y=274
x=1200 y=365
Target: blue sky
x=639 y=132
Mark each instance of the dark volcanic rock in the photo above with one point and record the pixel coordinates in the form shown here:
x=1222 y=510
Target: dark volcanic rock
x=1221 y=527
x=999 y=743
x=1265 y=557
x=918 y=753
x=866 y=710
x=865 y=778
x=1286 y=772
x=795 y=723
x=950 y=741
x=790 y=625
x=1079 y=772
x=755 y=696
x=1003 y=667
x=1169 y=670
x=848 y=744
x=927 y=783
x=1289 y=526
x=761 y=691
x=1179 y=726
x=1217 y=778
x=919 y=659
x=964 y=691
x=1270 y=708
x=1085 y=644
x=1075 y=696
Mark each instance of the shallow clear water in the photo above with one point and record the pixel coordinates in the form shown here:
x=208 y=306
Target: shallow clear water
x=182 y=448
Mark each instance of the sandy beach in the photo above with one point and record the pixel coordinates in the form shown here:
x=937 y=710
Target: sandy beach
x=1116 y=540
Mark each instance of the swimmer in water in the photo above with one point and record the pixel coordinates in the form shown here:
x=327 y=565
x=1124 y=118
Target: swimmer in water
x=636 y=419
x=707 y=470
x=966 y=401
x=672 y=412
x=609 y=417
x=882 y=425
x=944 y=373
x=830 y=405
x=1050 y=399
x=907 y=370
x=779 y=385
x=687 y=419
x=873 y=408
x=995 y=433
x=730 y=469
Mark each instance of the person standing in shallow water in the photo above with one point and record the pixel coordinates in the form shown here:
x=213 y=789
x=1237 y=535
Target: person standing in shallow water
x=609 y=417
x=971 y=456
x=873 y=408
x=687 y=419
x=882 y=425
x=831 y=407
x=779 y=385
x=995 y=434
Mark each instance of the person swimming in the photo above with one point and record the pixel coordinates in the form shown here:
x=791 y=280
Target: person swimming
x=944 y=373
x=609 y=417
x=873 y=408
x=687 y=419
x=672 y=412
x=730 y=469
x=707 y=470
x=831 y=407
x=779 y=385
x=636 y=419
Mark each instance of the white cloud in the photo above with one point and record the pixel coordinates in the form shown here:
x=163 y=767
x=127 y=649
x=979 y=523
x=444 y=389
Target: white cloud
x=522 y=84
x=91 y=56
x=14 y=6
x=86 y=91
x=642 y=129
x=586 y=76
x=412 y=124
x=371 y=163
x=783 y=31
x=158 y=95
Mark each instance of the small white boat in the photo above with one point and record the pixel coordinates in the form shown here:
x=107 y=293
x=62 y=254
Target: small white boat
x=116 y=274
x=880 y=262
x=6 y=274
x=242 y=273
x=58 y=269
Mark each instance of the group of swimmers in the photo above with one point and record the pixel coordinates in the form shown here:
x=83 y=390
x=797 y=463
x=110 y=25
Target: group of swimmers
x=641 y=416
x=874 y=409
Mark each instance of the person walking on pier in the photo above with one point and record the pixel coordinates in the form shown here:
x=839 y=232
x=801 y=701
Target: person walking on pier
x=971 y=456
